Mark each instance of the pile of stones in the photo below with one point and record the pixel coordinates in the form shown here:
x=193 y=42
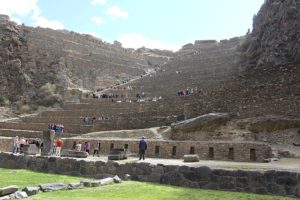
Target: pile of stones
x=11 y=192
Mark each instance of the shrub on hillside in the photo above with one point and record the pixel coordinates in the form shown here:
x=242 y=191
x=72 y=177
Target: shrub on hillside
x=5 y=101
x=48 y=96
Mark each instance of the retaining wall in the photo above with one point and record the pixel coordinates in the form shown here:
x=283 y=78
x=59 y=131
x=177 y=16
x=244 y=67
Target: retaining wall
x=268 y=182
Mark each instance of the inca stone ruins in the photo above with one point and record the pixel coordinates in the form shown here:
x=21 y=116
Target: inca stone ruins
x=234 y=101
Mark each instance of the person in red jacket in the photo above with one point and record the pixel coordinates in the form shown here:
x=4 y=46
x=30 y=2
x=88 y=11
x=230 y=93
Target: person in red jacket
x=59 y=144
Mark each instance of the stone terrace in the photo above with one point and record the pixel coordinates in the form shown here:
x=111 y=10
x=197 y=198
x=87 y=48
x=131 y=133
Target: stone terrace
x=210 y=66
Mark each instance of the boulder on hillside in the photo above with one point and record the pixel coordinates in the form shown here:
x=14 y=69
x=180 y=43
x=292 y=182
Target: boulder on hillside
x=52 y=187
x=208 y=122
x=8 y=190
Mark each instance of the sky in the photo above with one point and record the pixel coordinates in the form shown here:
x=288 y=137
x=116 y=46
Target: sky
x=162 y=24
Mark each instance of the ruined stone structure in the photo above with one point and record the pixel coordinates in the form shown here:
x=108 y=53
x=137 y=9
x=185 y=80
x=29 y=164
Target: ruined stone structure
x=212 y=150
x=264 y=182
x=207 y=150
x=247 y=107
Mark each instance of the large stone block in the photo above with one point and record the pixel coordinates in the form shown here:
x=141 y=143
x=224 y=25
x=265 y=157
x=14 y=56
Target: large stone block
x=74 y=154
x=191 y=158
x=117 y=179
x=287 y=181
x=297 y=191
x=275 y=189
x=107 y=181
x=52 y=187
x=208 y=122
x=8 y=190
x=242 y=182
x=19 y=195
x=73 y=186
x=226 y=183
x=31 y=190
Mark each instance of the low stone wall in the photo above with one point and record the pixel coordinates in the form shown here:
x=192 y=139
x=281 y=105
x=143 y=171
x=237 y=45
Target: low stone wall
x=207 y=150
x=268 y=182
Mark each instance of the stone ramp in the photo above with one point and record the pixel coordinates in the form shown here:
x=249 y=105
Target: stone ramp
x=151 y=133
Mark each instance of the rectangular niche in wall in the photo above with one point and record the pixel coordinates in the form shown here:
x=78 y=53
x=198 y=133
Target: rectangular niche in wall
x=192 y=150
x=174 y=151
x=156 y=153
x=252 y=154
x=231 y=153
x=111 y=146
x=211 y=153
x=125 y=146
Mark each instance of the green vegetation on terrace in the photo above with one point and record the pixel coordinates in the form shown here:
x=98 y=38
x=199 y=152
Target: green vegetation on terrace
x=125 y=190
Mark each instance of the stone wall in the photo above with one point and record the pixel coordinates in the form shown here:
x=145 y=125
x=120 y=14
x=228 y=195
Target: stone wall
x=213 y=150
x=267 y=182
x=207 y=150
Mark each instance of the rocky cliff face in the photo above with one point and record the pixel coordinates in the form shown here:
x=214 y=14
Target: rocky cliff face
x=14 y=79
x=32 y=57
x=275 y=39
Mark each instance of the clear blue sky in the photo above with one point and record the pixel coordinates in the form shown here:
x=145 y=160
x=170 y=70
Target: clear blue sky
x=152 y=23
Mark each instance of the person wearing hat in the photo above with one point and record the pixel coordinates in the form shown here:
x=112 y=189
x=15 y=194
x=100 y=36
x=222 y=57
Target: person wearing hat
x=142 y=148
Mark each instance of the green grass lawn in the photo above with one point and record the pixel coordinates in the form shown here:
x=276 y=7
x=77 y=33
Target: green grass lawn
x=125 y=190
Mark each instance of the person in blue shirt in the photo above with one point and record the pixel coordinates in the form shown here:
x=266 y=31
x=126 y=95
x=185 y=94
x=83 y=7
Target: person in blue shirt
x=142 y=148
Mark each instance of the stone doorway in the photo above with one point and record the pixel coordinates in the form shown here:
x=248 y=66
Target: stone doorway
x=231 y=154
x=252 y=154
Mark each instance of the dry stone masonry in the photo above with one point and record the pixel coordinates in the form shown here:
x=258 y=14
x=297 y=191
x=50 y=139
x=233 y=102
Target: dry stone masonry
x=267 y=182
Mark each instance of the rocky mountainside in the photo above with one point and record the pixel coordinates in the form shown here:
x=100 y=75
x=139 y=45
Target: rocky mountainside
x=271 y=59
x=275 y=38
x=38 y=63
x=254 y=75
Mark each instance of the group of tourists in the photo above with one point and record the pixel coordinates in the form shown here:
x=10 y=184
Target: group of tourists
x=20 y=142
x=91 y=120
x=57 y=128
x=190 y=91
x=87 y=147
x=107 y=96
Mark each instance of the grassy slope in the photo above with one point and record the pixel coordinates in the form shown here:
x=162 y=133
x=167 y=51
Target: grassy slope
x=23 y=178
x=125 y=190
